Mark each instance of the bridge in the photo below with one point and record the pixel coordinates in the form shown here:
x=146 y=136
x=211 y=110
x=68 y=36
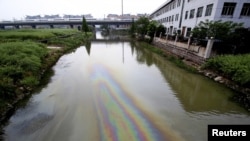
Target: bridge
x=33 y=24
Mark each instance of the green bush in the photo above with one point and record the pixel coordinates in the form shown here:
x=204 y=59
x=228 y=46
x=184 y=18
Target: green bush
x=236 y=67
x=30 y=81
x=20 y=64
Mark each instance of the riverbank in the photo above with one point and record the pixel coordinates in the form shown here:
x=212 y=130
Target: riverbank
x=242 y=93
x=25 y=60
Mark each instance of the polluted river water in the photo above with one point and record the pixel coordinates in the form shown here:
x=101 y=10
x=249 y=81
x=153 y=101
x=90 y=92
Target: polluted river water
x=116 y=91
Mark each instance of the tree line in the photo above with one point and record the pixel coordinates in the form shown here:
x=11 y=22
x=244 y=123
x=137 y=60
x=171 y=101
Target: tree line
x=231 y=37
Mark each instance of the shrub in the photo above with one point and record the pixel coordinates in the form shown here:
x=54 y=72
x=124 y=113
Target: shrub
x=236 y=67
x=20 y=63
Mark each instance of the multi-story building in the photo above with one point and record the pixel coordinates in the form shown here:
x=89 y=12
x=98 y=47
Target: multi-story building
x=125 y=16
x=181 y=16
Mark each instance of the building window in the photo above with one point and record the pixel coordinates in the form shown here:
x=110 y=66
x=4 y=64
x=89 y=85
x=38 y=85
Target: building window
x=176 y=17
x=174 y=4
x=172 y=18
x=245 y=10
x=191 y=16
x=186 y=15
x=228 y=8
x=175 y=31
x=179 y=3
x=209 y=10
x=188 y=32
x=199 y=12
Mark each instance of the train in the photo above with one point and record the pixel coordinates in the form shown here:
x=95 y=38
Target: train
x=45 y=20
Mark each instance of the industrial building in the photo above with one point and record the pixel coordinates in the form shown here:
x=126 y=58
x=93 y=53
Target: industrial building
x=181 y=16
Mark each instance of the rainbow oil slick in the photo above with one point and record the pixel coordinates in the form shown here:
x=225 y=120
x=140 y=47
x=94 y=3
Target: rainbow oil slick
x=119 y=117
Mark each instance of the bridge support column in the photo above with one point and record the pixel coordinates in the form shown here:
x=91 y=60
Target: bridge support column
x=2 y=27
x=51 y=26
x=17 y=27
x=33 y=26
x=72 y=26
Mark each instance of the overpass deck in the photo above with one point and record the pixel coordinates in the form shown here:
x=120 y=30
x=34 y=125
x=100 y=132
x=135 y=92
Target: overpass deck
x=90 y=22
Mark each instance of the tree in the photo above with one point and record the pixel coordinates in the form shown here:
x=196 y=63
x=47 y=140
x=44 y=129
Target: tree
x=228 y=33
x=132 y=29
x=160 y=29
x=85 y=27
x=151 y=29
x=219 y=30
x=141 y=26
x=144 y=26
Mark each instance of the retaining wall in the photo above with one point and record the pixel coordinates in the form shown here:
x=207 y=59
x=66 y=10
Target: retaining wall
x=193 y=55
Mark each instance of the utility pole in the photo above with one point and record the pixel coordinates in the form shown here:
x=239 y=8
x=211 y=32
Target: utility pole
x=122 y=9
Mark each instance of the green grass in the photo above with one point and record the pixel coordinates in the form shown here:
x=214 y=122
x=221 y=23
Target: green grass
x=34 y=34
x=24 y=59
x=236 y=67
x=20 y=63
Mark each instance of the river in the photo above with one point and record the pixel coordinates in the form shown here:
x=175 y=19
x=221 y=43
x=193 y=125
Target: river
x=114 y=90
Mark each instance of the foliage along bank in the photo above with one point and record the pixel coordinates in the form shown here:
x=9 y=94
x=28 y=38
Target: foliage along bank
x=236 y=67
x=25 y=59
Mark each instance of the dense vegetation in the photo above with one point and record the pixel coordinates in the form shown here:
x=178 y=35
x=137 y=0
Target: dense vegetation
x=231 y=37
x=25 y=58
x=236 y=67
x=31 y=34
x=143 y=26
x=21 y=63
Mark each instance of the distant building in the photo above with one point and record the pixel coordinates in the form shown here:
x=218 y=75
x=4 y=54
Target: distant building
x=142 y=15
x=87 y=16
x=113 y=17
x=51 y=16
x=32 y=17
x=125 y=16
x=183 y=15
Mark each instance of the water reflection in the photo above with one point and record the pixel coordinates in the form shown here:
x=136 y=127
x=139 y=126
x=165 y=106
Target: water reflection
x=88 y=47
x=195 y=92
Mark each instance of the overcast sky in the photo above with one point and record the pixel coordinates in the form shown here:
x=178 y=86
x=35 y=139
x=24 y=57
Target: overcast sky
x=10 y=9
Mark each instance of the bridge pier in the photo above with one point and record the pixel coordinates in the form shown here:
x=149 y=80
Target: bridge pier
x=2 y=27
x=51 y=26
x=72 y=26
x=33 y=26
x=17 y=27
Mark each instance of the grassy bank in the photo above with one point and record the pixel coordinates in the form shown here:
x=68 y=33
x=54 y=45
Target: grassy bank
x=33 y=34
x=235 y=67
x=25 y=58
x=171 y=58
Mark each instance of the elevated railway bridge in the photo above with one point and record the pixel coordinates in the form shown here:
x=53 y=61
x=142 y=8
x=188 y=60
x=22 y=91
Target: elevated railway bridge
x=34 y=24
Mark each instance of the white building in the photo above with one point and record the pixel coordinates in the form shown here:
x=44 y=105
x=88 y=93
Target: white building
x=181 y=16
